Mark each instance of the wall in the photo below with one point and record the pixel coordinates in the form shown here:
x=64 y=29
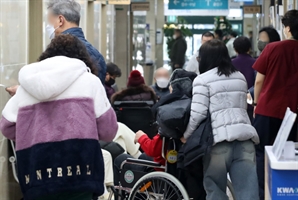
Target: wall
x=13 y=55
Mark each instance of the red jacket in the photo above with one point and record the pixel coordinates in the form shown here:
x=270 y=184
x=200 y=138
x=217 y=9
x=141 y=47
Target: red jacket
x=152 y=148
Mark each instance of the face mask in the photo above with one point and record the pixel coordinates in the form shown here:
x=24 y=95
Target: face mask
x=262 y=45
x=174 y=37
x=162 y=82
x=50 y=30
x=110 y=82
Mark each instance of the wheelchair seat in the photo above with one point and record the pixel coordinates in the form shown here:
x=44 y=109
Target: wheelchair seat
x=136 y=115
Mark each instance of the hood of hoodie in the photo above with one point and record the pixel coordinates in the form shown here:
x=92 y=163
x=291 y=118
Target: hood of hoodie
x=49 y=78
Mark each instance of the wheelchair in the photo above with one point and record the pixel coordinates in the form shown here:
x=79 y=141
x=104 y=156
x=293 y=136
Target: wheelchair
x=136 y=115
x=155 y=185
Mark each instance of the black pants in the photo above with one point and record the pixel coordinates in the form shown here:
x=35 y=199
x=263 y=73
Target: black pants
x=118 y=161
x=267 y=128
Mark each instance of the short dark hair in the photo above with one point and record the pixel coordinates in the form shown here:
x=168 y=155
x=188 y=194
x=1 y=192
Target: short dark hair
x=291 y=19
x=113 y=69
x=271 y=32
x=214 y=53
x=69 y=46
x=242 y=45
x=234 y=34
x=208 y=34
x=178 y=31
x=219 y=33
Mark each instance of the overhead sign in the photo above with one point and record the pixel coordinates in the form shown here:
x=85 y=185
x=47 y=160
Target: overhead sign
x=253 y=9
x=199 y=4
x=119 y=2
x=140 y=6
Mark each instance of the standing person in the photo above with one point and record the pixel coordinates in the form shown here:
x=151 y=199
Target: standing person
x=276 y=88
x=178 y=50
x=230 y=46
x=57 y=116
x=221 y=91
x=218 y=34
x=64 y=18
x=244 y=62
x=266 y=35
x=161 y=78
x=193 y=65
x=113 y=71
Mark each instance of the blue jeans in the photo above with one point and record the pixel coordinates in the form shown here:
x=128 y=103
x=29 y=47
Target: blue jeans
x=238 y=159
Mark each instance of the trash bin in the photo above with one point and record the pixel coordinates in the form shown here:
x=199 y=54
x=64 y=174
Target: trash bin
x=281 y=177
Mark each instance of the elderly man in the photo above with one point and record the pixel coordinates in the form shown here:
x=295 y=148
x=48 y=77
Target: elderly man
x=161 y=86
x=64 y=18
x=193 y=65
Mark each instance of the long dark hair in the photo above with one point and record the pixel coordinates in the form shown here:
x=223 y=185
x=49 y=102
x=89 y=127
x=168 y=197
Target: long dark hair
x=69 y=46
x=214 y=53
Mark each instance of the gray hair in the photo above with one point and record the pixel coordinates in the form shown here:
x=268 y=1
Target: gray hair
x=70 y=9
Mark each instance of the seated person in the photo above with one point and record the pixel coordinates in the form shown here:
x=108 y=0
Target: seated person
x=136 y=90
x=113 y=71
x=153 y=147
x=161 y=86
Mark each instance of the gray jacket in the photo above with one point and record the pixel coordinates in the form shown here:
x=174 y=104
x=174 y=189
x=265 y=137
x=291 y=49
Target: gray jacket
x=225 y=98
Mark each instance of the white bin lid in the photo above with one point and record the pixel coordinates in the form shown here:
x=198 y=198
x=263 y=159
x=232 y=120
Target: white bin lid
x=280 y=165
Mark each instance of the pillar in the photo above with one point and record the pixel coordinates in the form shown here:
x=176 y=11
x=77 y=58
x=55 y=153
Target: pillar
x=122 y=43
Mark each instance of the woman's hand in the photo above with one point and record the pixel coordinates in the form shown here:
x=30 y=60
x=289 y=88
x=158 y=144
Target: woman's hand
x=138 y=135
x=12 y=90
x=183 y=140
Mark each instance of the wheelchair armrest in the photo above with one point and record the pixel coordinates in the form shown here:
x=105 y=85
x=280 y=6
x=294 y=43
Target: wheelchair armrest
x=142 y=162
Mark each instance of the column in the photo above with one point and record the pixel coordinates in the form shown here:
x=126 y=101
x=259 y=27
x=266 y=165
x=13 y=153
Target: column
x=121 y=57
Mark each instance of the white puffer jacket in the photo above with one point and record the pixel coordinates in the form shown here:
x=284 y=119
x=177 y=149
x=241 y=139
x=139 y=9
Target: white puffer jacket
x=225 y=98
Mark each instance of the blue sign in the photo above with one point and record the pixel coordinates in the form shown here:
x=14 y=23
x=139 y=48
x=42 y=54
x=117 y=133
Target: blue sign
x=199 y=4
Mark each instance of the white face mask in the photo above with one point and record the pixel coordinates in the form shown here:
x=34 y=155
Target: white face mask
x=174 y=37
x=162 y=82
x=50 y=30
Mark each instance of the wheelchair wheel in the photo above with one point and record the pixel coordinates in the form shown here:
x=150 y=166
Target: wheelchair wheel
x=230 y=191
x=158 y=186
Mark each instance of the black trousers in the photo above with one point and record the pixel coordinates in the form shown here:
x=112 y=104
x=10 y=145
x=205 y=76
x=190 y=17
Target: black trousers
x=267 y=129
x=118 y=161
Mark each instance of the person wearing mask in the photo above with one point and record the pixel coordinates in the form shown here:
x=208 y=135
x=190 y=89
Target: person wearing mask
x=266 y=35
x=161 y=86
x=64 y=18
x=193 y=65
x=221 y=90
x=136 y=90
x=178 y=50
x=230 y=46
x=276 y=89
x=113 y=71
x=57 y=117
x=218 y=34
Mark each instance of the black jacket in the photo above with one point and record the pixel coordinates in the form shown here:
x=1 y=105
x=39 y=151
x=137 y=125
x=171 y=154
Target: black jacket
x=197 y=145
x=160 y=92
x=172 y=114
x=178 y=52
